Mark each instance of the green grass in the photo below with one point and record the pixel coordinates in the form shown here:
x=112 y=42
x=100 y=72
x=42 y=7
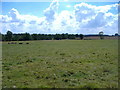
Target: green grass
x=61 y=64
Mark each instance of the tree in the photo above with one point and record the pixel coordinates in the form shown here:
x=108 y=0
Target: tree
x=3 y=37
x=101 y=35
x=64 y=36
x=0 y=37
x=16 y=37
x=71 y=36
x=34 y=36
x=76 y=35
x=116 y=34
x=58 y=37
x=81 y=36
x=27 y=36
x=9 y=36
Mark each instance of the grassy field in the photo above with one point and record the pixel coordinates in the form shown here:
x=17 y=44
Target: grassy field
x=61 y=64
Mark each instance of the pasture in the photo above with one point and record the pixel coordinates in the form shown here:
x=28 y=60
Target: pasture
x=60 y=64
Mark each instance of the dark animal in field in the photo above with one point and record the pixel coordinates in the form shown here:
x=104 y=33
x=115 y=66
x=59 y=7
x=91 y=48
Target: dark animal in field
x=27 y=43
x=12 y=43
x=16 y=43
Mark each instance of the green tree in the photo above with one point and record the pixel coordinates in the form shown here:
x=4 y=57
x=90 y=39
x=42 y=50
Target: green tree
x=101 y=35
x=0 y=37
x=64 y=36
x=81 y=36
x=58 y=37
x=9 y=36
x=27 y=36
x=76 y=35
x=3 y=37
x=116 y=34
x=34 y=36
x=71 y=36
x=16 y=37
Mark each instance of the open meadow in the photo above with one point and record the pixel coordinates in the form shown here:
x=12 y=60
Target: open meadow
x=60 y=64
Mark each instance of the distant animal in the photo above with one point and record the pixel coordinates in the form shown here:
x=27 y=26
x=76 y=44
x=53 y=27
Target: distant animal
x=12 y=43
x=20 y=43
x=27 y=43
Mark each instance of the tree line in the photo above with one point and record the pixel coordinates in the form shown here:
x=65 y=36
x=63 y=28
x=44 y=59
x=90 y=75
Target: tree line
x=9 y=36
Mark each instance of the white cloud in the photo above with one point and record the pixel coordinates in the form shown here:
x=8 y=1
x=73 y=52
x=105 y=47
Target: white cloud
x=96 y=18
x=50 y=12
x=66 y=0
x=5 y=18
x=98 y=21
x=84 y=11
x=14 y=15
x=68 y=6
x=85 y=18
x=65 y=23
x=106 y=8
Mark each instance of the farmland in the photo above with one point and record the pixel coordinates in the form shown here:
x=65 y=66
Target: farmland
x=60 y=64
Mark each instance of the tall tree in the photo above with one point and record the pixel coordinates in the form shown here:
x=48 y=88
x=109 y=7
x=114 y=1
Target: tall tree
x=0 y=37
x=64 y=36
x=34 y=36
x=101 y=35
x=58 y=37
x=27 y=36
x=9 y=36
x=81 y=36
x=16 y=37
x=3 y=37
x=116 y=34
x=71 y=36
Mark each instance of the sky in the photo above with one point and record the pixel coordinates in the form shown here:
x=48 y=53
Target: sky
x=60 y=17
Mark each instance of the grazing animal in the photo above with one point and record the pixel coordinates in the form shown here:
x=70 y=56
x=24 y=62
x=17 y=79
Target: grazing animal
x=27 y=43
x=12 y=43
x=20 y=43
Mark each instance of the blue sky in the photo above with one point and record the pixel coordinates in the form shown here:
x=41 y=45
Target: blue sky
x=38 y=7
x=59 y=17
x=26 y=7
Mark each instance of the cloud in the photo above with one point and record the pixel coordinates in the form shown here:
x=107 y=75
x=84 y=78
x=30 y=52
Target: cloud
x=85 y=18
x=20 y=23
x=84 y=11
x=68 y=6
x=14 y=15
x=96 y=22
x=96 y=18
x=4 y=19
x=50 y=12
